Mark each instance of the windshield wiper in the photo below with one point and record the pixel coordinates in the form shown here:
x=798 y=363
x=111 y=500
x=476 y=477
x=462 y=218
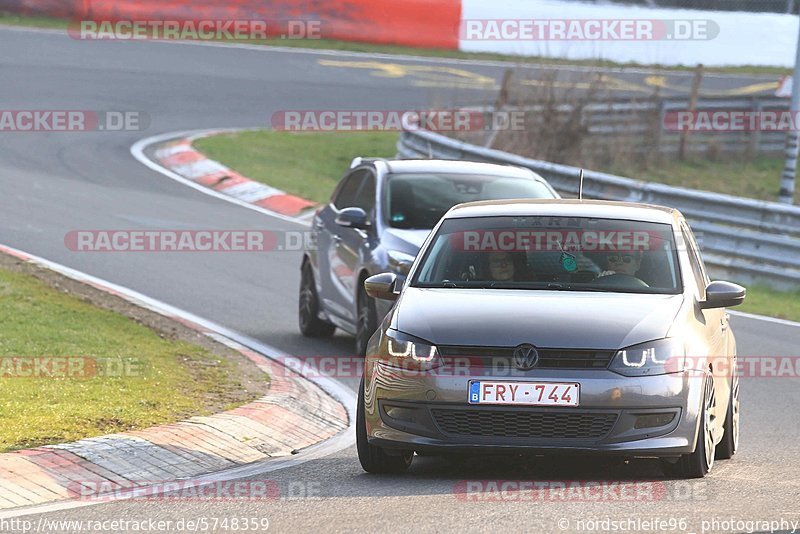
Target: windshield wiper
x=462 y=285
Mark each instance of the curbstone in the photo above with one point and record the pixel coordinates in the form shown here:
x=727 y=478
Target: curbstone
x=180 y=157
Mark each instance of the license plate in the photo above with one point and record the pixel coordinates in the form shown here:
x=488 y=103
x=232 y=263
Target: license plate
x=525 y=393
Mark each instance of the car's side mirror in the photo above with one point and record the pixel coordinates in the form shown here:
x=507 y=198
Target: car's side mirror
x=723 y=295
x=353 y=218
x=382 y=286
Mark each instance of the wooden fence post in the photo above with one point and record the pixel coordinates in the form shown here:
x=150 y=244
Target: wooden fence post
x=698 y=79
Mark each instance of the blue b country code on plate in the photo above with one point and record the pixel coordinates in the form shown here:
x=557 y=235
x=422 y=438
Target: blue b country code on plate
x=474 y=392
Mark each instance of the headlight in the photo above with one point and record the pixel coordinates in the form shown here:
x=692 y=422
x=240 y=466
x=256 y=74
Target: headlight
x=408 y=352
x=400 y=262
x=652 y=358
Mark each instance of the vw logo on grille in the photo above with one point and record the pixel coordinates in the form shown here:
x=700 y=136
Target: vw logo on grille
x=526 y=356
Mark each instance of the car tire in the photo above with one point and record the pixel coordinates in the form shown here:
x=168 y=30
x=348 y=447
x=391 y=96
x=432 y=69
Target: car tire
x=374 y=459
x=730 y=436
x=699 y=463
x=310 y=323
x=367 y=321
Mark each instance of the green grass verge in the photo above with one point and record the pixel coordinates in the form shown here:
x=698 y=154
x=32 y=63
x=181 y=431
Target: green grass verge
x=329 y=44
x=307 y=164
x=759 y=178
x=161 y=381
x=766 y=301
x=310 y=164
x=33 y=22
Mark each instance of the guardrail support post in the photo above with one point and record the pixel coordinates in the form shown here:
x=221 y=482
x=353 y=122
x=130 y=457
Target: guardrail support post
x=786 y=194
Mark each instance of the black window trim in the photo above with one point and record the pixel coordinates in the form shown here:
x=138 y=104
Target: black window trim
x=693 y=254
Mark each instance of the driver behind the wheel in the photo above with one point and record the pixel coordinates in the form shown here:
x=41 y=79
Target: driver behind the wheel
x=506 y=266
x=622 y=263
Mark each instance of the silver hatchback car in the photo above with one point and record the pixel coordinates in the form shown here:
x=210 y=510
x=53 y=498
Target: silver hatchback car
x=553 y=326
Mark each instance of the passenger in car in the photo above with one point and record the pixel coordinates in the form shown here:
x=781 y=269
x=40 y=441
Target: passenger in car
x=622 y=263
x=501 y=266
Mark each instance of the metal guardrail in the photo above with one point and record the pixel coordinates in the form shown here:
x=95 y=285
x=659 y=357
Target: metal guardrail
x=742 y=239
x=651 y=124
x=634 y=119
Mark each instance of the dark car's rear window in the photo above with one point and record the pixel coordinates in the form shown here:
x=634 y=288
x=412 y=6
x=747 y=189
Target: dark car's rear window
x=420 y=200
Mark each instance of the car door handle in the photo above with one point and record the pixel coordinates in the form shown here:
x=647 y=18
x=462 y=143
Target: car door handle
x=319 y=225
x=336 y=239
x=724 y=324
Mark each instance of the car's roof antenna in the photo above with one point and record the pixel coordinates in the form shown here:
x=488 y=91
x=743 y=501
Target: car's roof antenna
x=580 y=186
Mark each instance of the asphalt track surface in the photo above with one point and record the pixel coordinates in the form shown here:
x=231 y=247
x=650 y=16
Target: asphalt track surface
x=51 y=183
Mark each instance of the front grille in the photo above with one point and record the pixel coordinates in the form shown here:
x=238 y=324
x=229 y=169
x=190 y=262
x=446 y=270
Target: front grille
x=524 y=424
x=503 y=357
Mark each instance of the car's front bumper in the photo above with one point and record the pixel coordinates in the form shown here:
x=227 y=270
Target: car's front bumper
x=429 y=412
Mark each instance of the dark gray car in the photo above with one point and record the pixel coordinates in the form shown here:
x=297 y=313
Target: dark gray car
x=553 y=326
x=376 y=220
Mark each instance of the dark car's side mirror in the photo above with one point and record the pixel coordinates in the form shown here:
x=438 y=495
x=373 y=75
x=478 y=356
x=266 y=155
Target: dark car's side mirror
x=723 y=295
x=353 y=218
x=382 y=286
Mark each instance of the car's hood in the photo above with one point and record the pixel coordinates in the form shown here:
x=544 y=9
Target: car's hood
x=413 y=238
x=548 y=319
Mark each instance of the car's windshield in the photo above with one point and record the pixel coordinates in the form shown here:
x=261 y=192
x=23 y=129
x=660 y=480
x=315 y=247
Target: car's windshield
x=556 y=253
x=419 y=200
